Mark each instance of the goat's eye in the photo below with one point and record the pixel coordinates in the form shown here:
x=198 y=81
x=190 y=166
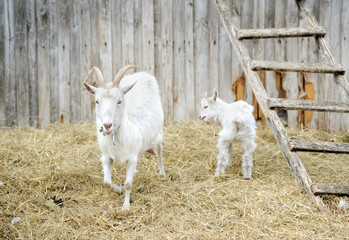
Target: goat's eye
x=119 y=102
x=97 y=102
x=205 y=107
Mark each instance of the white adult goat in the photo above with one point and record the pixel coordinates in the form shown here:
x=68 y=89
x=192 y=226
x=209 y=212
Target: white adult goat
x=129 y=120
x=238 y=124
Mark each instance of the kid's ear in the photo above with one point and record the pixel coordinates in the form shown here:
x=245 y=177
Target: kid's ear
x=90 y=88
x=215 y=94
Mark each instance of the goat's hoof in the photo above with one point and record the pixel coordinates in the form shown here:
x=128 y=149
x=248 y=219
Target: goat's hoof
x=162 y=172
x=126 y=207
x=116 y=188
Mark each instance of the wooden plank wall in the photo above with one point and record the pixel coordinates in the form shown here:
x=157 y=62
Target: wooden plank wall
x=48 y=46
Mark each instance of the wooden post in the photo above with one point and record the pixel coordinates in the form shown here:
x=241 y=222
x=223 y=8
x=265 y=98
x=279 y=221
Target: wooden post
x=21 y=63
x=64 y=68
x=2 y=64
x=179 y=83
x=75 y=84
x=189 y=60
x=85 y=53
x=43 y=58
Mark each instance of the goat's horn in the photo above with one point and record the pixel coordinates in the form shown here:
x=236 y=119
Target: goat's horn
x=99 y=75
x=121 y=73
x=205 y=95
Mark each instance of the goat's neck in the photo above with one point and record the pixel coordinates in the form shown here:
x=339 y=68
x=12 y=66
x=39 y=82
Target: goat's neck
x=124 y=125
x=222 y=111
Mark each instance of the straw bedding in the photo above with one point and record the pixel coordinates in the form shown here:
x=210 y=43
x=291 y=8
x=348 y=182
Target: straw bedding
x=52 y=180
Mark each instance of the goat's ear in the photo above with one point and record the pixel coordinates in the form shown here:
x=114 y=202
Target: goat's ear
x=90 y=88
x=215 y=94
x=127 y=88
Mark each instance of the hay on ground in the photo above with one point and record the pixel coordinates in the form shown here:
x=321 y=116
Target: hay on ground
x=51 y=180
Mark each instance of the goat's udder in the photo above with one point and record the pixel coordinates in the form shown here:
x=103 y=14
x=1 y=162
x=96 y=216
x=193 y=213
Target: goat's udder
x=152 y=151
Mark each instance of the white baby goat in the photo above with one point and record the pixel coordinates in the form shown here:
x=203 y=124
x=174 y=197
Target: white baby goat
x=129 y=120
x=238 y=124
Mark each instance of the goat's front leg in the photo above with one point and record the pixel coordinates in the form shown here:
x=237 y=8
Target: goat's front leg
x=131 y=170
x=107 y=164
x=161 y=163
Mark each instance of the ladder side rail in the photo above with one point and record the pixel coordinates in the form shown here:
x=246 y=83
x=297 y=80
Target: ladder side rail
x=272 y=118
x=325 y=50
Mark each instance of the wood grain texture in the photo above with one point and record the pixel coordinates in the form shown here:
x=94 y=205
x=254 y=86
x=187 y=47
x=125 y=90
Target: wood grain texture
x=308 y=105
x=336 y=189
x=259 y=65
x=2 y=65
x=42 y=13
x=280 y=32
x=311 y=146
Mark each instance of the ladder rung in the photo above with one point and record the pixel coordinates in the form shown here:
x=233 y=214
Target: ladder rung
x=307 y=105
x=321 y=188
x=311 y=146
x=260 y=65
x=280 y=33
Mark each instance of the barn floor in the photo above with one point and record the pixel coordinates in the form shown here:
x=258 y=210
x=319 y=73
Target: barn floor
x=52 y=181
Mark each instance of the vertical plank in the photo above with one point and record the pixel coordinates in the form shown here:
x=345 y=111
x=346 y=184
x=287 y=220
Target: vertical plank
x=179 y=96
x=236 y=69
x=213 y=19
x=345 y=49
x=224 y=67
x=258 y=50
x=324 y=80
x=10 y=81
x=42 y=18
x=247 y=23
x=64 y=13
x=105 y=43
x=85 y=60
x=32 y=64
x=201 y=48
x=148 y=36
x=116 y=35
x=280 y=50
x=75 y=85
x=270 y=83
x=259 y=23
x=21 y=63
x=312 y=79
x=189 y=60
x=137 y=23
x=54 y=82
x=303 y=57
x=3 y=11
x=95 y=39
x=291 y=80
x=166 y=56
x=335 y=45
x=127 y=33
x=158 y=45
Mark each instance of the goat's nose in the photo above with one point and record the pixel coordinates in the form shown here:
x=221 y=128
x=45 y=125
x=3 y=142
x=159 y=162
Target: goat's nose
x=107 y=125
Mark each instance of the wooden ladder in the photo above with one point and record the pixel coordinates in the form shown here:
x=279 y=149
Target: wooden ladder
x=268 y=105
